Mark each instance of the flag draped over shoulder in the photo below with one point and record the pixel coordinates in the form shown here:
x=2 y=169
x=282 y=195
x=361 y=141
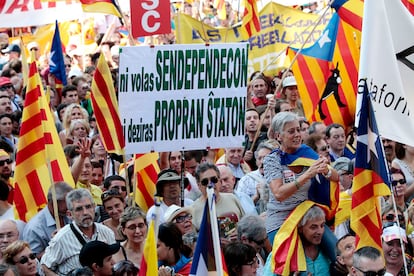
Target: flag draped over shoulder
x=322 y=190
x=327 y=74
x=208 y=258
x=390 y=77
x=251 y=22
x=57 y=62
x=288 y=254
x=146 y=171
x=149 y=262
x=38 y=151
x=101 y=6
x=105 y=108
x=371 y=179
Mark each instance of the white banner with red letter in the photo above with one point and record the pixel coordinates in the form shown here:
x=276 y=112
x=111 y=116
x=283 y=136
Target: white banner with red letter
x=150 y=17
x=18 y=13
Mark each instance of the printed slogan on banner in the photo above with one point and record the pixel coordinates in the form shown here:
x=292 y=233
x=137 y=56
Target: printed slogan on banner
x=183 y=97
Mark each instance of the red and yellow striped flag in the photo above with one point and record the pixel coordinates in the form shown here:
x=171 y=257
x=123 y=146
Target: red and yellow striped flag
x=409 y=4
x=251 y=22
x=105 y=108
x=149 y=262
x=351 y=11
x=146 y=171
x=100 y=6
x=38 y=146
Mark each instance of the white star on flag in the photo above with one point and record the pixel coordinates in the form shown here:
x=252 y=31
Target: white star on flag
x=324 y=39
x=369 y=139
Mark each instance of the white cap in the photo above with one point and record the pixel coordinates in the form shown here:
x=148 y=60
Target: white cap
x=289 y=81
x=75 y=72
x=173 y=211
x=32 y=44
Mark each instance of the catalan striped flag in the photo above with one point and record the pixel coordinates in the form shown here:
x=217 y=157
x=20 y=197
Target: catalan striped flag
x=146 y=171
x=251 y=22
x=105 y=108
x=409 y=4
x=57 y=62
x=149 y=262
x=351 y=11
x=208 y=258
x=40 y=160
x=371 y=180
x=327 y=75
x=101 y=6
x=288 y=254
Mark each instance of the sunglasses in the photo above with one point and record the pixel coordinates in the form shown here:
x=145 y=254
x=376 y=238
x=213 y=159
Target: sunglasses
x=372 y=273
x=181 y=219
x=396 y=182
x=252 y=262
x=25 y=259
x=206 y=181
x=391 y=217
x=109 y=194
x=8 y=161
x=4 y=88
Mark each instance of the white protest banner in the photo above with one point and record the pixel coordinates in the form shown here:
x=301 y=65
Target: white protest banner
x=387 y=64
x=183 y=97
x=18 y=13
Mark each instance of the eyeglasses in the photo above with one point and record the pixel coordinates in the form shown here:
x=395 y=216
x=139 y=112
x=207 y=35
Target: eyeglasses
x=206 y=181
x=110 y=193
x=395 y=182
x=255 y=261
x=5 y=87
x=391 y=217
x=134 y=227
x=25 y=259
x=258 y=242
x=372 y=273
x=8 y=161
x=122 y=188
x=181 y=219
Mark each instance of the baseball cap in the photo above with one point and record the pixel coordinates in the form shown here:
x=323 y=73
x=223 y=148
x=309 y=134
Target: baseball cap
x=12 y=48
x=32 y=45
x=5 y=81
x=173 y=211
x=96 y=251
x=289 y=81
x=343 y=164
x=393 y=233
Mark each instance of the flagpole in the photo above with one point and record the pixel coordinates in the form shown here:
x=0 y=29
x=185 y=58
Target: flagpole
x=54 y=198
x=288 y=69
x=214 y=229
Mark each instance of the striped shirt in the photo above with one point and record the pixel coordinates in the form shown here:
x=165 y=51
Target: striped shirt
x=62 y=254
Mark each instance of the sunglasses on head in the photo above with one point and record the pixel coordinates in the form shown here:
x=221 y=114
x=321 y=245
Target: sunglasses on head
x=391 y=217
x=8 y=161
x=206 y=181
x=372 y=273
x=25 y=259
x=395 y=182
x=110 y=193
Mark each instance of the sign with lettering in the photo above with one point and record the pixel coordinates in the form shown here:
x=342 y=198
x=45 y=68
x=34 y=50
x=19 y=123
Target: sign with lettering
x=150 y=17
x=183 y=97
x=18 y=13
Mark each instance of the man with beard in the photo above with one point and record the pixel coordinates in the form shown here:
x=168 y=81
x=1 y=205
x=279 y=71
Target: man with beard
x=40 y=229
x=62 y=254
x=169 y=188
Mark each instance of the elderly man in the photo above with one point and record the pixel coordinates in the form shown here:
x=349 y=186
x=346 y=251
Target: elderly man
x=8 y=234
x=62 y=254
x=40 y=229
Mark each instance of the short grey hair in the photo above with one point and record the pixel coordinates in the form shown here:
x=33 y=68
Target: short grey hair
x=367 y=252
x=281 y=119
x=76 y=195
x=62 y=188
x=314 y=212
x=252 y=226
x=203 y=167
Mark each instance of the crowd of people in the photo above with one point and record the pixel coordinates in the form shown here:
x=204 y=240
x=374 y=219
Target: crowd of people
x=263 y=189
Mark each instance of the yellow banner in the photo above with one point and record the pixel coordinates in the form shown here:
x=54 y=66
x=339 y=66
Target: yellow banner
x=280 y=26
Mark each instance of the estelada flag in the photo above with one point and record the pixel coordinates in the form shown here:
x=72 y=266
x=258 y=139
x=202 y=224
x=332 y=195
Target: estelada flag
x=327 y=75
